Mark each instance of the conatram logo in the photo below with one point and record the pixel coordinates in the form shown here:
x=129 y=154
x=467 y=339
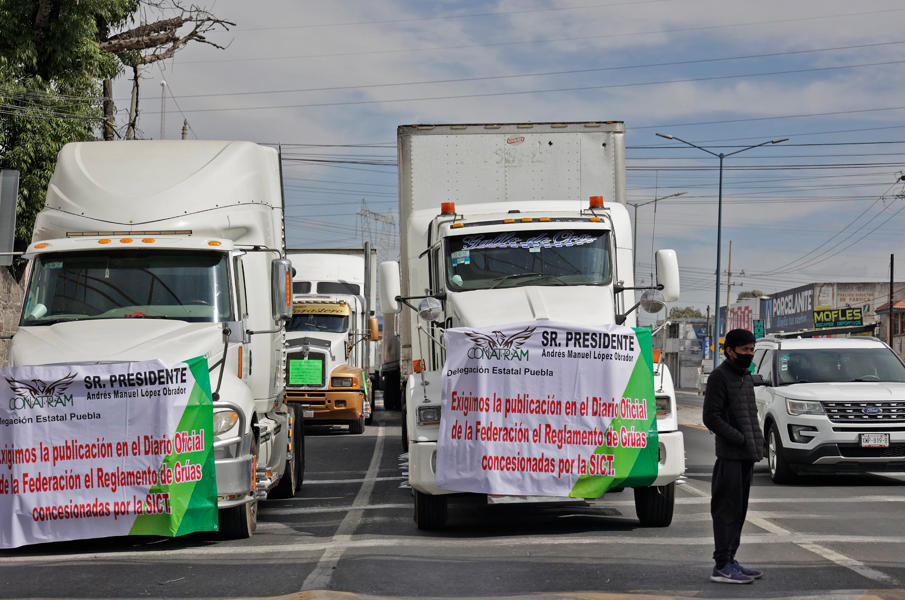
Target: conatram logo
x=38 y=394
x=497 y=346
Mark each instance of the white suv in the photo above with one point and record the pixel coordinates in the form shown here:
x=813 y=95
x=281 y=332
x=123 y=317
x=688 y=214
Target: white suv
x=830 y=405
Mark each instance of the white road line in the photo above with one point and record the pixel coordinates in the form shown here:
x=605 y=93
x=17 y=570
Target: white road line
x=760 y=520
x=328 y=481
x=692 y=489
x=849 y=563
x=403 y=543
x=317 y=510
x=319 y=578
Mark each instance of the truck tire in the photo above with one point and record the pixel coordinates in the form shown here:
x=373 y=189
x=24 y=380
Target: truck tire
x=240 y=522
x=431 y=512
x=405 y=431
x=392 y=395
x=780 y=471
x=290 y=482
x=357 y=426
x=655 y=504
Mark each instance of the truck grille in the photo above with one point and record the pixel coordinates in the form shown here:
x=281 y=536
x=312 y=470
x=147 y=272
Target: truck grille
x=855 y=451
x=865 y=412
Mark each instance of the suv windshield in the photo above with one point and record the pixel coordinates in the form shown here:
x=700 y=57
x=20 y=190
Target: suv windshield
x=838 y=365
x=331 y=323
x=75 y=286
x=533 y=257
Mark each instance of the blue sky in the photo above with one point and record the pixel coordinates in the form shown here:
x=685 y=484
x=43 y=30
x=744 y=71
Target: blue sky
x=326 y=78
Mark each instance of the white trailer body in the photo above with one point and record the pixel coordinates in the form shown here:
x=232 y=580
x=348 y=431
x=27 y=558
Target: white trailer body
x=334 y=299
x=519 y=177
x=175 y=250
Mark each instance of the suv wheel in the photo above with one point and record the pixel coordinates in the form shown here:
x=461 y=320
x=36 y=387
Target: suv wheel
x=780 y=471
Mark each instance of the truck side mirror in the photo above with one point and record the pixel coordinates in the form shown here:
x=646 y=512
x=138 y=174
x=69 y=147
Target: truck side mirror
x=282 y=289
x=373 y=330
x=668 y=274
x=430 y=309
x=389 y=287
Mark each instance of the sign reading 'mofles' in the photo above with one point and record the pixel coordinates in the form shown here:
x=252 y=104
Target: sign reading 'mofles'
x=842 y=317
x=106 y=450
x=547 y=409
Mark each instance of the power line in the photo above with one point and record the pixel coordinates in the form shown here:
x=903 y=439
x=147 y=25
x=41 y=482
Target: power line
x=568 y=89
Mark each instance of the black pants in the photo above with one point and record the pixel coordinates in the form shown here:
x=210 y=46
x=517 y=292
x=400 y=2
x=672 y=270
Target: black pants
x=729 y=506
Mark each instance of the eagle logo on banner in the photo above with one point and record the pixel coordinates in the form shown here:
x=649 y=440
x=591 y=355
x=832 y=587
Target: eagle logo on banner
x=497 y=339
x=40 y=389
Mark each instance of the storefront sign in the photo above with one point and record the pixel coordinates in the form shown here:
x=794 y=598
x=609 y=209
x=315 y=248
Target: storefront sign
x=547 y=409
x=843 y=317
x=106 y=450
x=758 y=329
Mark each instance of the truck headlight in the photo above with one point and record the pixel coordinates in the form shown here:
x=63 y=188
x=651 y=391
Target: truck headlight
x=803 y=407
x=428 y=415
x=341 y=382
x=664 y=406
x=224 y=421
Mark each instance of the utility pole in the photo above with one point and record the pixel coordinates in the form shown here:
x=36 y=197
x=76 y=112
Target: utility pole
x=892 y=278
x=708 y=320
x=185 y=128
x=163 y=108
x=729 y=289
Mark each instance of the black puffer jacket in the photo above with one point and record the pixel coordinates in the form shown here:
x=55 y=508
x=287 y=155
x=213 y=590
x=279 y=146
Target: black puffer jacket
x=731 y=413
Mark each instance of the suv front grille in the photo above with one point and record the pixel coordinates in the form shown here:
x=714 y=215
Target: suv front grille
x=855 y=451
x=865 y=412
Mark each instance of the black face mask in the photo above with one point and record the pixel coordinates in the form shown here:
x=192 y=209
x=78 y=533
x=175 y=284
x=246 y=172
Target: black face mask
x=743 y=360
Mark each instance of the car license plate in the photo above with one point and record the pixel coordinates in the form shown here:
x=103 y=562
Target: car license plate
x=308 y=414
x=875 y=440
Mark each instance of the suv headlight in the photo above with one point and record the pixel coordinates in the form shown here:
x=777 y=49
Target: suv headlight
x=664 y=406
x=428 y=415
x=341 y=381
x=803 y=407
x=224 y=421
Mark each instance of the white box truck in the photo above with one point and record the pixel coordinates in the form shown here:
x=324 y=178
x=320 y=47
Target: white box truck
x=171 y=250
x=501 y=180
x=331 y=339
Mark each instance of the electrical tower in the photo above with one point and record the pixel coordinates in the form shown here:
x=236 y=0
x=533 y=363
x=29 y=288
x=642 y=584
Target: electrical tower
x=387 y=234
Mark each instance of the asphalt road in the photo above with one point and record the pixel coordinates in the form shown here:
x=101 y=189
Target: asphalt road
x=350 y=529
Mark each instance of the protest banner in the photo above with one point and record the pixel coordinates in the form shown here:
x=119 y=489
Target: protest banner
x=106 y=450
x=547 y=409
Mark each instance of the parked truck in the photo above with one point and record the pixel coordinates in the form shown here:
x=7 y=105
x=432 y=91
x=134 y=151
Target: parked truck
x=390 y=378
x=171 y=250
x=496 y=181
x=331 y=340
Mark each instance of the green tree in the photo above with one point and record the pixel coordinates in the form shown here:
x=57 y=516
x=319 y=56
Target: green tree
x=50 y=73
x=686 y=312
x=749 y=294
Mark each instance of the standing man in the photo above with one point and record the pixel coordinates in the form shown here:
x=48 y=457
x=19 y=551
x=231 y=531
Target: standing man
x=730 y=413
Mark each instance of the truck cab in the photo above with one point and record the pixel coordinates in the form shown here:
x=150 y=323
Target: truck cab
x=331 y=337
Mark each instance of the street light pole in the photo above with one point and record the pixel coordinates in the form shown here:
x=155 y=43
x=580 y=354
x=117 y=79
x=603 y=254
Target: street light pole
x=635 y=239
x=719 y=232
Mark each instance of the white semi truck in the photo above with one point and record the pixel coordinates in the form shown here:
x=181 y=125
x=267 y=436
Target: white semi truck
x=493 y=182
x=331 y=339
x=171 y=250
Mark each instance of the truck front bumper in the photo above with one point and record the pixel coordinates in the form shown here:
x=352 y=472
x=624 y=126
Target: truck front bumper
x=235 y=480
x=331 y=406
x=423 y=463
x=672 y=457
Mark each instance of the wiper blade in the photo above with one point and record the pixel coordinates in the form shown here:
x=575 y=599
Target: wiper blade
x=52 y=321
x=500 y=280
x=793 y=382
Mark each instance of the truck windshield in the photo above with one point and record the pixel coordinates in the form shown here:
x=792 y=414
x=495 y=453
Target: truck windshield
x=74 y=286
x=331 y=323
x=825 y=365
x=534 y=257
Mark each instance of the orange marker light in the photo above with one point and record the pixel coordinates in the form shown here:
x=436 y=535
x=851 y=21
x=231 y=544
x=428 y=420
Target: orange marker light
x=38 y=246
x=148 y=240
x=457 y=225
x=214 y=243
x=596 y=201
x=448 y=208
x=126 y=241
x=595 y=219
x=104 y=241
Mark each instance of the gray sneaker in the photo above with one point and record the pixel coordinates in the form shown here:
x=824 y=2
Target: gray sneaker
x=729 y=574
